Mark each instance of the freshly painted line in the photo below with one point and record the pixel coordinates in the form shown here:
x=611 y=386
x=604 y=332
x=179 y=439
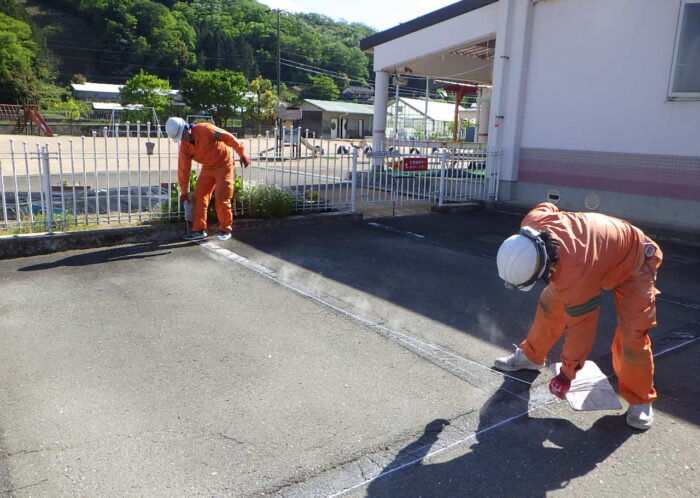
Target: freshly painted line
x=677 y=346
x=436 y=452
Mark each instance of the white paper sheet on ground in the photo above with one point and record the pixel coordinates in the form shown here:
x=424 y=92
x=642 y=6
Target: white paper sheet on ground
x=590 y=390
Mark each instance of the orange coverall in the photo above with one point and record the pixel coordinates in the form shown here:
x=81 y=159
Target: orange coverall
x=597 y=251
x=211 y=150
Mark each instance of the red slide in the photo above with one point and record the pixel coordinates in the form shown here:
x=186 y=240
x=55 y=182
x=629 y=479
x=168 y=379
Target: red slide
x=40 y=122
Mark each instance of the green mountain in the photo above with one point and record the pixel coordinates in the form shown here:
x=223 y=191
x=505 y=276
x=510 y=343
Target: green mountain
x=111 y=40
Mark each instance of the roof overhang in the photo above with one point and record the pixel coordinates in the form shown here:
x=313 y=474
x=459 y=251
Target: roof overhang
x=454 y=43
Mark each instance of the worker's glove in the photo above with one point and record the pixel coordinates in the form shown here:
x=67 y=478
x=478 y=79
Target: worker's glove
x=560 y=385
x=245 y=161
x=184 y=197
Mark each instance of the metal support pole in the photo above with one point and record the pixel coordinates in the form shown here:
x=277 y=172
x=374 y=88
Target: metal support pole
x=443 y=162
x=353 y=188
x=425 y=116
x=46 y=184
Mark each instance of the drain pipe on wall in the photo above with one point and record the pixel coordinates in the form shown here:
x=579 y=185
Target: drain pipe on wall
x=497 y=98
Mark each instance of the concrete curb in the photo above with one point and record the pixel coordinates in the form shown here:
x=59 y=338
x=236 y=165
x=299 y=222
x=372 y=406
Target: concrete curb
x=457 y=207
x=18 y=246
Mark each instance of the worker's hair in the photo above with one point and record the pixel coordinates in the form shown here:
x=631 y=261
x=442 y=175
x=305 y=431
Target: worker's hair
x=551 y=245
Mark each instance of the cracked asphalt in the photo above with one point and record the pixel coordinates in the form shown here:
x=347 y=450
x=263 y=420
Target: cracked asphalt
x=344 y=360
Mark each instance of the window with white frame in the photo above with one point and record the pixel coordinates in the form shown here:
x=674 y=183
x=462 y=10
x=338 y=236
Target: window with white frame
x=685 y=73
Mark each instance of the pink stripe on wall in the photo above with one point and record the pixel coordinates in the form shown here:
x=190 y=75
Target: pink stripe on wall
x=672 y=183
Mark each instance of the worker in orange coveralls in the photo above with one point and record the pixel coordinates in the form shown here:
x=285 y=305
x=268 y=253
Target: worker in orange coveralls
x=578 y=254
x=209 y=146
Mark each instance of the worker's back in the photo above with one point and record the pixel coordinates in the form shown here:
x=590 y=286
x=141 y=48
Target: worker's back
x=206 y=149
x=595 y=250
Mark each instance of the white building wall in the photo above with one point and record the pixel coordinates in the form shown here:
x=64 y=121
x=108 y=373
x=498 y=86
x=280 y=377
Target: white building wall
x=601 y=84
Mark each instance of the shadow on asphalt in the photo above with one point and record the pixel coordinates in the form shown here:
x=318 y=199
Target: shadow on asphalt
x=123 y=253
x=525 y=456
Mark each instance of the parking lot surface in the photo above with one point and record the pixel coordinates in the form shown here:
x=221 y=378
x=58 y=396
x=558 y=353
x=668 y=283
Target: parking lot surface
x=345 y=360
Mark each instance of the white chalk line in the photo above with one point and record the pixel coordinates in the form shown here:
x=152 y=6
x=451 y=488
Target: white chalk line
x=436 y=452
x=266 y=272
x=668 y=350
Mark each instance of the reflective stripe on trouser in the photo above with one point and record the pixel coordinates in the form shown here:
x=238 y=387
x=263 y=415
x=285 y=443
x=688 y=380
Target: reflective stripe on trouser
x=220 y=181
x=633 y=360
x=548 y=326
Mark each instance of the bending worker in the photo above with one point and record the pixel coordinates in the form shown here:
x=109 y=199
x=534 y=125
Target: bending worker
x=209 y=146
x=577 y=254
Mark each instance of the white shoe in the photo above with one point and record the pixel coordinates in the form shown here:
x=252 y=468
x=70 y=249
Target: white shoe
x=640 y=416
x=516 y=361
x=221 y=235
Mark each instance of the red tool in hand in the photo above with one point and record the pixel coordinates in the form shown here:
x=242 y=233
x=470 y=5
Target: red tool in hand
x=560 y=385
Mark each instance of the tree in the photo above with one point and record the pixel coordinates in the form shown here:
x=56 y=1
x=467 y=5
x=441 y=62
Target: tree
x=72 y=109
x=260 y=107
x=219 y=93
x=147 y=90
x=18 y=57
x=322 y=87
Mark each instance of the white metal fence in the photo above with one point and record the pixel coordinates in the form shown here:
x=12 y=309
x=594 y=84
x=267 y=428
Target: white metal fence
x=131 y=177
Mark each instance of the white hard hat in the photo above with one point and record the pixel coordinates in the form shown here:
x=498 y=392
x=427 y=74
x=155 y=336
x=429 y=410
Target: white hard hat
x=522 y=259
x=174 y=128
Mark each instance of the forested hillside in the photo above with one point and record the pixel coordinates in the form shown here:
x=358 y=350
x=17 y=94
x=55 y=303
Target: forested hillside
x=111 y=40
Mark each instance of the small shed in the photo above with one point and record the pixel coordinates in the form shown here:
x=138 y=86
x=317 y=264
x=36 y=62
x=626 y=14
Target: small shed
x=332 y=119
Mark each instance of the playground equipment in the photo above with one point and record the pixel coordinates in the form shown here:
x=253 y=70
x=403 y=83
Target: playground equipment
x=21 y=115
x=292 y=138
x=133 y=113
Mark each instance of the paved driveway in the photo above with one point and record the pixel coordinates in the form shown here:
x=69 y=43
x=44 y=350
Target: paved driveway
x=347 y=359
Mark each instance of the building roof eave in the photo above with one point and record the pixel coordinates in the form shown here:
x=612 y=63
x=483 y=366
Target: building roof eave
x=423 y=22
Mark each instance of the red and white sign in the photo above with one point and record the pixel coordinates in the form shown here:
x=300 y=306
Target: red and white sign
x=415 y=163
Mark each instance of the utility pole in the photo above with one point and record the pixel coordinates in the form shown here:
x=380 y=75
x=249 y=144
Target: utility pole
x=278 y=121
x=279 y=63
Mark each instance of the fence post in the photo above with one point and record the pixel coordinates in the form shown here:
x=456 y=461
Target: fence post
x=493 y=165
x=353 y=192
x=46 y=184
x=443 y=161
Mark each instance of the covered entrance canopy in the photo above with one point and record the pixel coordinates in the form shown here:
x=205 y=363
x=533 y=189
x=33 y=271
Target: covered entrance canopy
x=455 y=44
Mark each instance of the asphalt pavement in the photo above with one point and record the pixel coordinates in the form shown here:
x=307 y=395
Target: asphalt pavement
x=336 y=360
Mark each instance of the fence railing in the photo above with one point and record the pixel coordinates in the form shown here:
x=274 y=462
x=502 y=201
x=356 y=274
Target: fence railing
x=130 y=176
